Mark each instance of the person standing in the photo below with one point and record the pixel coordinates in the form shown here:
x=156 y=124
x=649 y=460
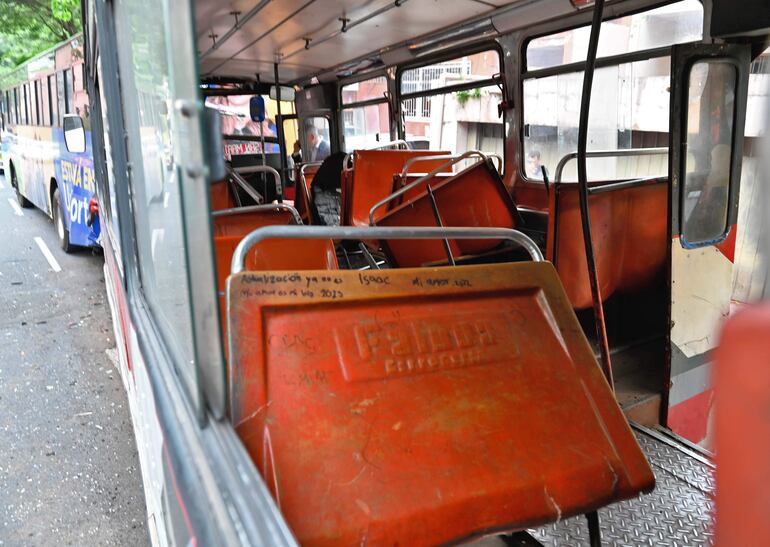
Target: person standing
x=319 y=148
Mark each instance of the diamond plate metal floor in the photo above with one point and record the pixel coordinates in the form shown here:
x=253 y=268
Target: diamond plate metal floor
x=677 y=512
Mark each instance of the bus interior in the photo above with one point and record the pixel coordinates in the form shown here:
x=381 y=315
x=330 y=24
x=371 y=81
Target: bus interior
x=407 y=314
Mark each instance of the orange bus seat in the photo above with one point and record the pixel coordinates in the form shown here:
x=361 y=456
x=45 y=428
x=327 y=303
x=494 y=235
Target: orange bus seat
x=301 y=202
x=474 y=197
x=222 y=196
x=271 y=254
x=414 y=192
x=423 y=406
x=630 y=232
x=300 y=254
x=741 y=393
x=372 y=180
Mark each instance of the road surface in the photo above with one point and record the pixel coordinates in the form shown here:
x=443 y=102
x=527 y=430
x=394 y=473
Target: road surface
x=69 y=472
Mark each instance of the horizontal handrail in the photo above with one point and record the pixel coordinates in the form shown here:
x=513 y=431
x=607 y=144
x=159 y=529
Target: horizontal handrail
x=369 y=233
x=607 y=154
x=248 y=170
x=401 y=144
x=404 y=189
x=305 y=166
x=621 y=185
x=256 y=208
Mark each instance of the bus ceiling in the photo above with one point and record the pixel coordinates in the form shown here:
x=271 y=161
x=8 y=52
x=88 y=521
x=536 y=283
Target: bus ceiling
x=315 y=42
x=350 y=36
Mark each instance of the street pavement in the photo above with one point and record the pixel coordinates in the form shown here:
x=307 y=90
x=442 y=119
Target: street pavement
x=69 y=472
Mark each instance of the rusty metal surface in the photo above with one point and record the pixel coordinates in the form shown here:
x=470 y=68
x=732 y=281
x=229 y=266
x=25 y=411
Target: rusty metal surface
x=677 y=512
x=423 y=406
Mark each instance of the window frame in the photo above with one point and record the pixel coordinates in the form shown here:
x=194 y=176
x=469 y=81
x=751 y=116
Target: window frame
x=686 y=56
x=498 y=80
x=580 y=20
x=363 y=104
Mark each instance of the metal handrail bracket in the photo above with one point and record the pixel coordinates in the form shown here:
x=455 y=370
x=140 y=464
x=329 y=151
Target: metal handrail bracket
x=381 y=233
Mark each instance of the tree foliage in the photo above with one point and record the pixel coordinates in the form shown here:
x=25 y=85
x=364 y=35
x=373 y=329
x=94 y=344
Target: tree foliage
x=28 y=27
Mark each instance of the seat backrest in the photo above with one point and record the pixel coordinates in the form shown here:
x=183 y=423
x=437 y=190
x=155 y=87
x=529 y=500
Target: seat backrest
x=475 y=197
x=423 y=406
x=398 y=183
x=222 y=196
x=240 y=224
x=271 y=254
x=630 y=233
x=372 y=179
x=301 y=199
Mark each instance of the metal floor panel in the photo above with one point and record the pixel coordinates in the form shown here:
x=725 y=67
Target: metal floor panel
x=677 y=512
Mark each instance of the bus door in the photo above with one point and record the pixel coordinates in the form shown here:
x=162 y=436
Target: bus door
x=708 y=104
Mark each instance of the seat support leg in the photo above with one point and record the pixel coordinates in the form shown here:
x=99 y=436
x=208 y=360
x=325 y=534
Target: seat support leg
x=594 y=533
x=436 y=213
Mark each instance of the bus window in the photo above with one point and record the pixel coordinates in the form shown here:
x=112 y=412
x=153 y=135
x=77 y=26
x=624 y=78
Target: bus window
x=315 y=139
x=292 y=144
x=16 y=118
x=60 y=87
x=45 y=103
x=711 y=102
x=25 y=115
x=236 y=121
x=634 y=96
x=676 y=23
x=634 y=113
x=54 y=102
x=155 y=185
x=38 y=103
x=465 y=115
x=366 y=124
x=70 y=91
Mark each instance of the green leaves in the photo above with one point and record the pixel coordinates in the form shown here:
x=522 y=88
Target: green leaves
x=28 y=27
x=66 y=10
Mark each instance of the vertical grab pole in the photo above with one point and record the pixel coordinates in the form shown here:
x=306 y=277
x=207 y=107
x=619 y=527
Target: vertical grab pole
x=585 y=105
x=279 y=132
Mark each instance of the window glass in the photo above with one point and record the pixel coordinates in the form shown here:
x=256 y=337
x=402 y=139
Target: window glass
x=479 y=66
x=41 y=117
x=69 y=91
x=45 y=112
x=367 y=90
x=629 y=109
x=365 y=126
x=672 y=24
x=155 y=178
x=457 y=121
x=236 y=121
x=315 y=139
x=33 y=107
x=60 y=92
x=27 y=105
x=710 y=113
x=293 y=146
x=54 y=100
x=108 y=194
